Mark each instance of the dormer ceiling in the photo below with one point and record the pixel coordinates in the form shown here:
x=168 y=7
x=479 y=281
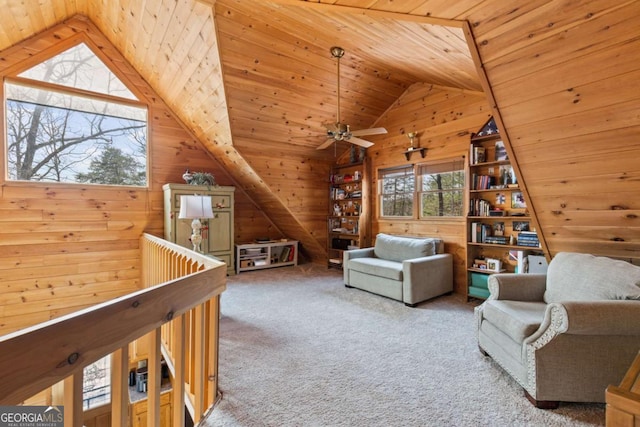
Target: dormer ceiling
x=279 y=77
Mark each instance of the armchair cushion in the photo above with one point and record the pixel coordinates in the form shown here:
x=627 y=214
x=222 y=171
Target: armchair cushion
x=377 y=267
x=518 y=319
x=395 y=248
x=600 y=278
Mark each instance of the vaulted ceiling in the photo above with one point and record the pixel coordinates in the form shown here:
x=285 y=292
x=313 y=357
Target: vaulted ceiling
x=266 y=64
x=254 y=82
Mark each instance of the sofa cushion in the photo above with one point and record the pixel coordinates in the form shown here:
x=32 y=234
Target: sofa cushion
x=584 y=277
x=395 y=248
x=517 y=319
x=377 y=267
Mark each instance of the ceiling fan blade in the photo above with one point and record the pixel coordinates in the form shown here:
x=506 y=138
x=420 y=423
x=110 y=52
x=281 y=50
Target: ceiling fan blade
x=360 y=142
x=371 y=131
x=325 y=144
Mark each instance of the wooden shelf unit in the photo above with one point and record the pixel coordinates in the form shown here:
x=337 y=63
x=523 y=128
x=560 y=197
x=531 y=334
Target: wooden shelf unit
x=498 y=222
x=348 y=220
x=259 y=255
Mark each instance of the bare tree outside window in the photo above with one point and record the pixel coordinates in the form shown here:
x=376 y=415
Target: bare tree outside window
x=442 y=189
x=56 y=133
x=397 y=191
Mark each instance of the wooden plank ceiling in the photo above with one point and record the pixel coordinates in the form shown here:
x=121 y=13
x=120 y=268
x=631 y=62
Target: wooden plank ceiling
x=254 y=81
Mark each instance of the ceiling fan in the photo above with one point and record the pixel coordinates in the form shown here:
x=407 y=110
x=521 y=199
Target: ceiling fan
x=341 y=131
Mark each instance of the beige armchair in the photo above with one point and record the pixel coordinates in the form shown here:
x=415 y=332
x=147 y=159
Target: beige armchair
x=566 y=335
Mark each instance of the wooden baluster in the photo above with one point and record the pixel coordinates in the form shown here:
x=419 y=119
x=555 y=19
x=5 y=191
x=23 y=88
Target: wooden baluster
x=198 y=368
x=178 y=352
x=120 y=387
x=153 y=379
x=73 y=411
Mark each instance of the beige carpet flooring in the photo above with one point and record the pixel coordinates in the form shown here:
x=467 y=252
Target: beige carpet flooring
x=297 y=348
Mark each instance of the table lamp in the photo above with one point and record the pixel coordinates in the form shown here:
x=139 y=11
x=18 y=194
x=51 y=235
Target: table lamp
x=195 y=207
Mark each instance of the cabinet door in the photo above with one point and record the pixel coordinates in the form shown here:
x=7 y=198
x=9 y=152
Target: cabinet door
x=219 y=233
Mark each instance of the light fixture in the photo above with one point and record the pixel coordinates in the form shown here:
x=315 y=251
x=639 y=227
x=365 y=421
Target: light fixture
x=195 y=207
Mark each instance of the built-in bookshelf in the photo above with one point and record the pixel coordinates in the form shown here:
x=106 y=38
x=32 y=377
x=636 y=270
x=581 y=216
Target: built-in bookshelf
x=347 y=222
x=500 y=231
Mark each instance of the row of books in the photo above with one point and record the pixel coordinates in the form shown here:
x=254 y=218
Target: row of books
x=528 y=238
x=479 y=207
x=480 y=232
x=482 y=182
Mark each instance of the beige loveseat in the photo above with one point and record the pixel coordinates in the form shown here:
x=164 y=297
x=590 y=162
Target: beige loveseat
x=407 y=269
x=566 y=335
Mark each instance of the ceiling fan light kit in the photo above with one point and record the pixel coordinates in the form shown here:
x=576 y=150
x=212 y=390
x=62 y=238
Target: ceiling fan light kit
x=341 y=131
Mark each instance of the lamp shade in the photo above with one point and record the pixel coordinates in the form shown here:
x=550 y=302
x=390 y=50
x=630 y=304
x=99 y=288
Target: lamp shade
x=195 y=207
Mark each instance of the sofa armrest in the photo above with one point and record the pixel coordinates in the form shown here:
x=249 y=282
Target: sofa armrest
x=517 y=287
x=427 y=277
x=609 y=317
x=354 y=253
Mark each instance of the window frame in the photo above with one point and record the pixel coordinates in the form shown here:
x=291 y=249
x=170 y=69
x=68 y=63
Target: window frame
x=450 y=165
x=417 y=195
x=14 y=77
x=408 y=170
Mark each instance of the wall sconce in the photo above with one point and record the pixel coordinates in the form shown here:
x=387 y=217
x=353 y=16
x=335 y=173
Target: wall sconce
x=414 y=146
x=195 y=207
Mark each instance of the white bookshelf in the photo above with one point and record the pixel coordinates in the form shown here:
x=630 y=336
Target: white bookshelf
x=259 y=255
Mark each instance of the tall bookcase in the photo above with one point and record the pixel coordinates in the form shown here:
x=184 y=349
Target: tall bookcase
x=500 y=231
x=348 y=225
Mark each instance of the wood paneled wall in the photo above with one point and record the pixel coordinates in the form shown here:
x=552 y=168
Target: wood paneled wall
x=565 y=76
x=64 y=247
x=444 y=119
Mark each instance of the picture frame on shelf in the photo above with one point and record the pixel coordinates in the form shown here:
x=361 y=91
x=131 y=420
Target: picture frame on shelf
x=498 y=229
x=520 y=225
x=493 y=264
x=501 y=152
x=517 y=200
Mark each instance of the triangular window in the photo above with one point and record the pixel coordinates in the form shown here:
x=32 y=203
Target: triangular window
x=79 y=68
x=71 y=119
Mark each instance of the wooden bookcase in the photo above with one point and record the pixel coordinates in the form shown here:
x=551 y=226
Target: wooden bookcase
x=348 y=220
x=500 y=231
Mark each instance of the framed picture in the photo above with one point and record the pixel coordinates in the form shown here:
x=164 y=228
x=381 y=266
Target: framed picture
x=517 y=200
x=501 y=151
x=498 y=229
x=520 y=225
x=493 y=264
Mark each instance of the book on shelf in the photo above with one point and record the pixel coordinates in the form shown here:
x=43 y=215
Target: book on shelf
x=496 y=240
x=477 y=154
x=284 y=255
x=479 y=207
x=528 y=238
x=482 y=182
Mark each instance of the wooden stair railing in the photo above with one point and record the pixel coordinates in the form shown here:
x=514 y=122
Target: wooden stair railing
x=181 y=291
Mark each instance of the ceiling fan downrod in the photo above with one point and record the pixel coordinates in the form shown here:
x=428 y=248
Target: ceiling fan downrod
x=338 y=52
